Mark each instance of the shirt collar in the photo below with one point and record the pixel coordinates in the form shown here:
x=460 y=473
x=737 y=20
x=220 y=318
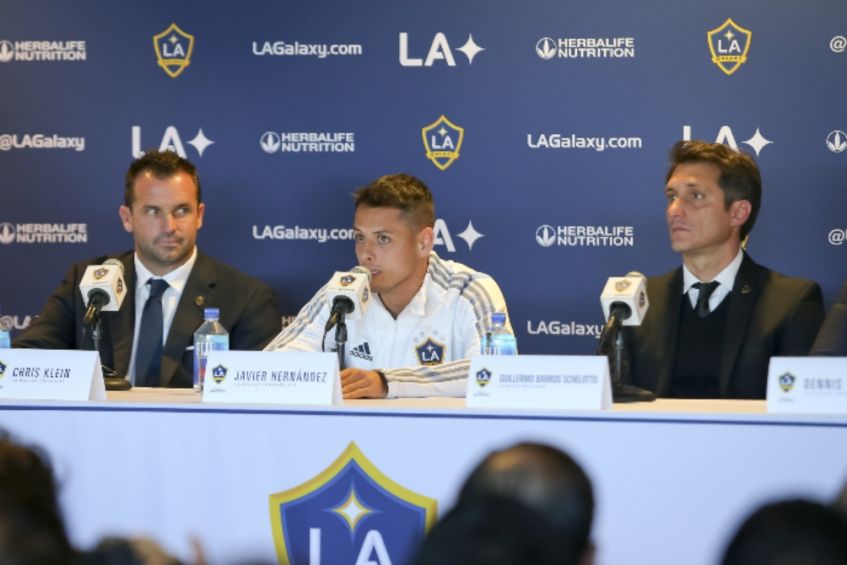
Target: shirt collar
x=726 y=278
x=417 y=306
x=177 y=278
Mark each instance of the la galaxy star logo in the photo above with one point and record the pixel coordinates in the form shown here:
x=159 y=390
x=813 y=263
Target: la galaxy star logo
x=483 y=377
x=786 y=382
x=173 y=50
x=442 y=140
x=100 y=273
x=349 y=513
x=219 y=374
x=729 y=44
x=430 y=352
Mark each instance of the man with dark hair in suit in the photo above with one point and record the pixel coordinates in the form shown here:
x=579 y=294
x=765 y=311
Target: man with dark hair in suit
x=714 y=323
x=169 y=281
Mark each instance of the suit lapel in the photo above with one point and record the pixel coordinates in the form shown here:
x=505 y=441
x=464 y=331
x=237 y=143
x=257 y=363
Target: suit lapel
x=667 y=334
x=745 y=290
x=199 y=292
x=120 y=325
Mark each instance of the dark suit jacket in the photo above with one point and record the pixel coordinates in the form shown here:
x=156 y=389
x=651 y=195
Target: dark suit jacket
x=249 y=312
x=832 y=339
x=768 y=314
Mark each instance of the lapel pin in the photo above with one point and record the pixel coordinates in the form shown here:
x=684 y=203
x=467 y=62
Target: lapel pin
x=746 y=289
x=199 y=300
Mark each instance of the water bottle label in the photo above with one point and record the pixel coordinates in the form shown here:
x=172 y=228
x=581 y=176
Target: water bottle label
x=202 y=346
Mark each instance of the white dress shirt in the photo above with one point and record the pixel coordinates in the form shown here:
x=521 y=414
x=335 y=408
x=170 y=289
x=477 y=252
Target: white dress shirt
x=726 y=278
x=176 y=280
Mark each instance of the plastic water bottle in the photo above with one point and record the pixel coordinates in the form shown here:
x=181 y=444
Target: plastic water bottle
x=498 y=340
x=5 y=334
x=210 y=336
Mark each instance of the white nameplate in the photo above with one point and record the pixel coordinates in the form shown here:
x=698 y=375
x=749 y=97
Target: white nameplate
x=808 y=385
x=272 y=377
x=54 y=374
x=557 y=382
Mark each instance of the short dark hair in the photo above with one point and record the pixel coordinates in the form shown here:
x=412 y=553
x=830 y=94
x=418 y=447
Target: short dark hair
x=403 y=192
x=31 y=525
x=493 y=530
x=790 y=531
x=544 y=478
x=162 y=164
x=740 y=178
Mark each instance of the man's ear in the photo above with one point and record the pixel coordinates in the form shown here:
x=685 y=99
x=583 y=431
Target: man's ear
x=126 y=217
x=739 y=212
x=426 y=239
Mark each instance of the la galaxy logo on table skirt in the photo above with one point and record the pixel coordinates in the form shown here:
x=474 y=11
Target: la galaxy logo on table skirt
x=349 y=513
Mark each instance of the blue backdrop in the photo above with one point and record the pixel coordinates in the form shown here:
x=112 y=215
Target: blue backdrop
x=287 y=106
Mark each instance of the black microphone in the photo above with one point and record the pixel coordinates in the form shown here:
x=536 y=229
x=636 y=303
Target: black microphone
x=341 y=306
x=97 y=298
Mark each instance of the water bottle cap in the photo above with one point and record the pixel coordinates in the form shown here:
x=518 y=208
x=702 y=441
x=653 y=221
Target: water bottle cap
x=498 y=318
x=212 y=313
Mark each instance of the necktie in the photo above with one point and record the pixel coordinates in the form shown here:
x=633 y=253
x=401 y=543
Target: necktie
x=706 y=290
x=148 y=355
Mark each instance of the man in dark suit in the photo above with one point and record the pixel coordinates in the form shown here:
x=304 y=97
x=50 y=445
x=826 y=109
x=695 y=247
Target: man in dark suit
x=714 y=323
x=169 y=283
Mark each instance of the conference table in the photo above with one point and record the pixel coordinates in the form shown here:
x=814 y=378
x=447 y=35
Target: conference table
x=672 y=478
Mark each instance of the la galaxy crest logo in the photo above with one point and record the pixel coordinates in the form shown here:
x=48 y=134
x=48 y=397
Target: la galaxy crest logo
x=347 y=280
x=2 y=369
x=442 y=140
x=786 y=382
x=350 y=513
x=483 y=377
x=622 y=285
x=173 y=50
x=729 y=44
x=100 y=273
x=430 y=352
x=219 y=374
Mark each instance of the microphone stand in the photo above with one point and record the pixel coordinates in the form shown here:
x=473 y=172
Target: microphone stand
x=620 y=392
x=340 y=340
x=110 y=376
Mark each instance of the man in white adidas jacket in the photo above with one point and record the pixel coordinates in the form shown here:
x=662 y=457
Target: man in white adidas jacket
x=430 y=315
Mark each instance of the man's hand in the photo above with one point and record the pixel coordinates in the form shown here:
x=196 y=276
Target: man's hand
x=358 y=383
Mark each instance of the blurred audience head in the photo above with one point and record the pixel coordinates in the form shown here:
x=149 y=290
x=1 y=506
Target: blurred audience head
x=528 y=503
x=31 y=525
x=545 y=479
x=492 y=530
x=790 y=532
